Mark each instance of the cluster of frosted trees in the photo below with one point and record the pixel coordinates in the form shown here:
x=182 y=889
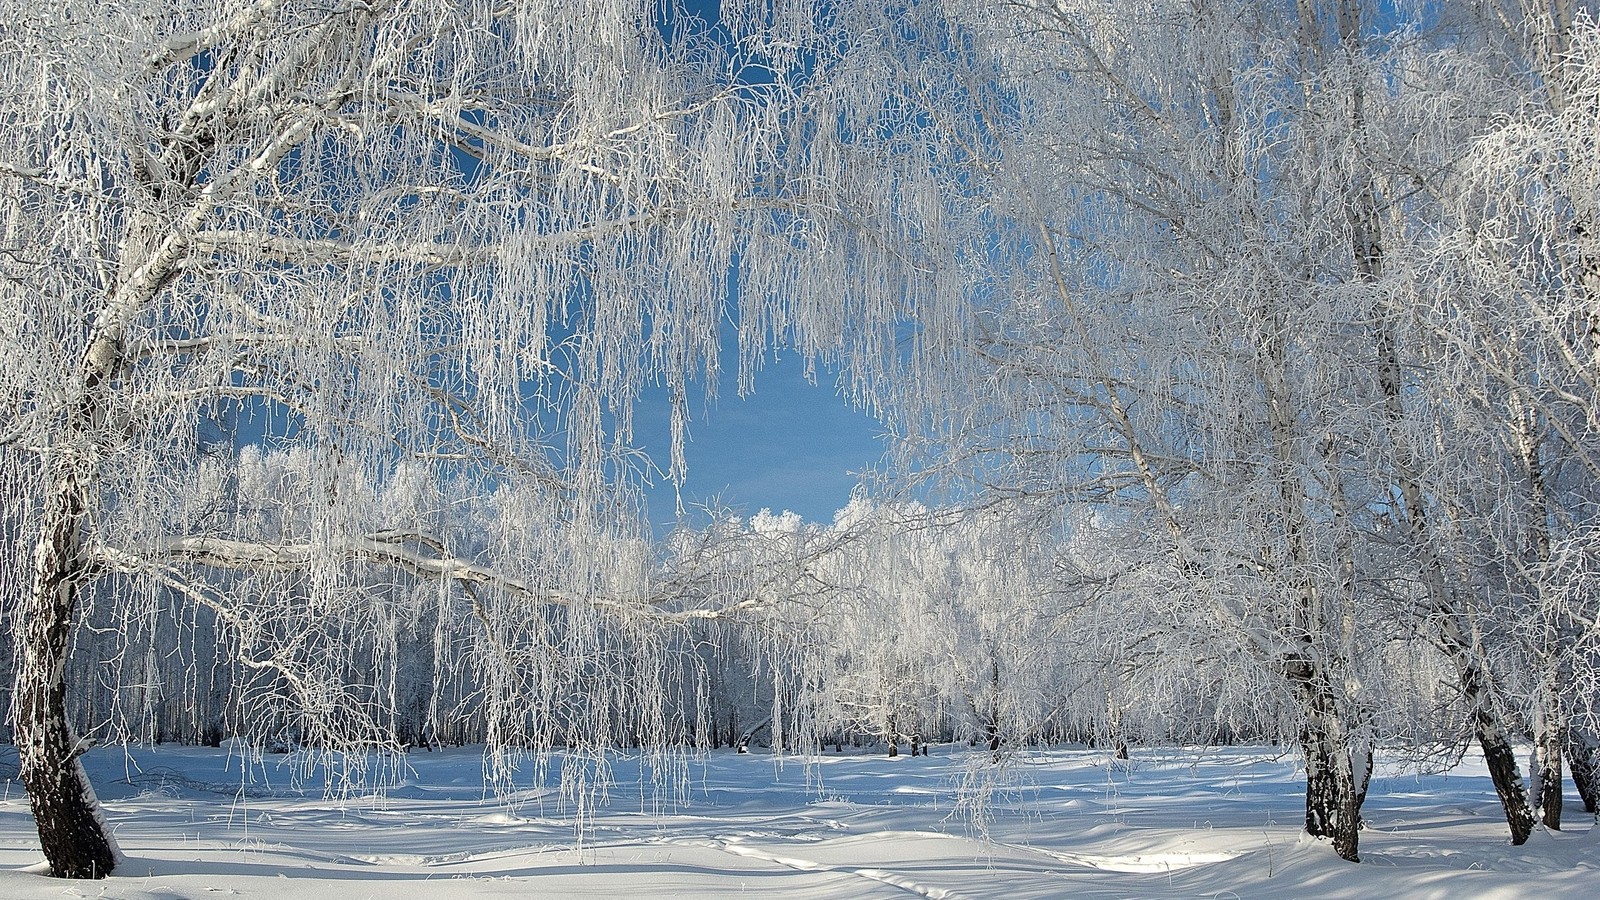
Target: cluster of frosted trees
x=904 y=625
x=1301 y=300
x=1244 y=354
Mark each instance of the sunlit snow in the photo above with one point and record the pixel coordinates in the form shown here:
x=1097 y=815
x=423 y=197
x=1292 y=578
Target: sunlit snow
x=1065 y=823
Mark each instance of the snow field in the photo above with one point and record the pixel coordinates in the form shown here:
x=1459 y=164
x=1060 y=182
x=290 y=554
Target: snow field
x=1222 y=823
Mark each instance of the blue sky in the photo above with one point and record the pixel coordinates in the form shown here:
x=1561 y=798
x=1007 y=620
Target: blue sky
x=789 y=445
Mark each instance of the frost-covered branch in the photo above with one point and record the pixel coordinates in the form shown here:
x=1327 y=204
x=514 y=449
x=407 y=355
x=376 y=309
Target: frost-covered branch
x=390 y=547
x=298 y=251
x=187 y=45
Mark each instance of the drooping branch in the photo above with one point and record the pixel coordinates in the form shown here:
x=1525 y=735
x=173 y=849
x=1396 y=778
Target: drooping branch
x=298 y=251
x=417 y=554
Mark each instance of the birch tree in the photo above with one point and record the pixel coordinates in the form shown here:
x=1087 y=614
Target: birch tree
x=1511 y=285
x=1167 y=342
x=1192 y=320
x=458 y=234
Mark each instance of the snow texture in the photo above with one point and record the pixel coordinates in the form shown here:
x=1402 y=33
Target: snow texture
x=195 y=822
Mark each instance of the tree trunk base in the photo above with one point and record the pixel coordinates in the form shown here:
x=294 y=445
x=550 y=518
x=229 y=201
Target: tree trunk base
x=1502 y=763
x=75 y=840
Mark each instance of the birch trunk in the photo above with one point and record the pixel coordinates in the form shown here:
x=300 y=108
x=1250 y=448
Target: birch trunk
x=1581 y=757
x=1549 y=739
x=75 y=839
x=1332 y=798
x=1497 y=752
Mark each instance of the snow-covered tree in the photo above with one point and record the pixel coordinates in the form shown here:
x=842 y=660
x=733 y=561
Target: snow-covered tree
x=402 y=239
x=1508 y=293
x=1192 y=237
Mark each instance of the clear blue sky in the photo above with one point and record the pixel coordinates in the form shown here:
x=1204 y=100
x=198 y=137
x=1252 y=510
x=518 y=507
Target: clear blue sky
x=790 y=445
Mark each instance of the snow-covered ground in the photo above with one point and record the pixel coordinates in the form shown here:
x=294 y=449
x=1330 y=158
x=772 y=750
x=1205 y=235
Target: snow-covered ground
x=1220 y=823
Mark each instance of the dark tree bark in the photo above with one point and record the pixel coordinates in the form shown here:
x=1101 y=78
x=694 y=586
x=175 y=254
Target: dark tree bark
x=1502 y=762
x=1581 y=753
x=991 y=738
x=1497 y=752
x=1332 y=798
x=1549 y=740
x=75 y=839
